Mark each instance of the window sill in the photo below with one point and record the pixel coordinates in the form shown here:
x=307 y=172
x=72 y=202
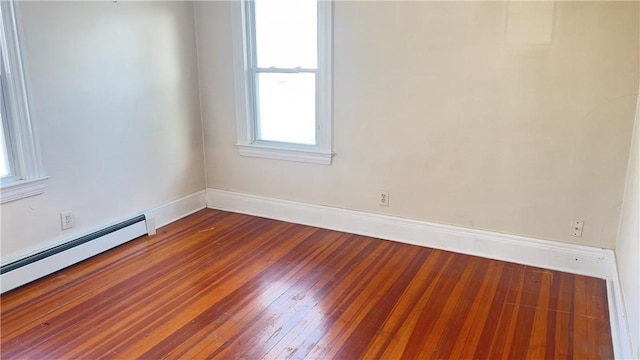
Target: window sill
x=277 y=153
x=22 y=189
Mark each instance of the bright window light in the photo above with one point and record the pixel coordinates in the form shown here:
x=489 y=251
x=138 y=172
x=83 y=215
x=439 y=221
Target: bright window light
x=285 y=64
x=286 y=33
x=4 y=157
x=21 y=173
x=283 y=69
x=287 y=108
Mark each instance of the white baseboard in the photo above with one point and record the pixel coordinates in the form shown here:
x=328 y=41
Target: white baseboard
x=167 y=213
x=571 y=258
x=162 y=215
x=618 y=320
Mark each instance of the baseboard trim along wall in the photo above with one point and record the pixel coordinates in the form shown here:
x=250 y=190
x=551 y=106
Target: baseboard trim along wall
x=60 y=255
x=167 y=213
x=571 y=258
x=618 y=320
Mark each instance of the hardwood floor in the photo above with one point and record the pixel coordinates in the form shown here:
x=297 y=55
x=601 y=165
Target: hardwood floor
x=224 y=285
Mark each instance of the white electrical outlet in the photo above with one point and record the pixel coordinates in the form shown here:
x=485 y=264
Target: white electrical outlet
x=576 y=228
x=66 y=220
x=383 y=198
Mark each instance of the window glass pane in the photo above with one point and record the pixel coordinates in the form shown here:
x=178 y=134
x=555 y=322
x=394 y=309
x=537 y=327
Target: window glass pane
x=4 y=163
x=4 y=156
x=286 y=35
x=287 y=108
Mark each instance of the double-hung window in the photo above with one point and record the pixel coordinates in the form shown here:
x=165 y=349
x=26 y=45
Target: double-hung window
x=283 y=79
x=21 y=173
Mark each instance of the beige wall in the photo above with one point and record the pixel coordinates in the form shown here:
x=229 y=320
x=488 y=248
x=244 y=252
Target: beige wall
x=114 y=91
x=466 y=117
x=628 y=242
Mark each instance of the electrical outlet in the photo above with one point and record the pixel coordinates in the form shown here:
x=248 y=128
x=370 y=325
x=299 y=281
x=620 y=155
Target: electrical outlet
x=383 y=198
x=66 y=220
x=576 y=228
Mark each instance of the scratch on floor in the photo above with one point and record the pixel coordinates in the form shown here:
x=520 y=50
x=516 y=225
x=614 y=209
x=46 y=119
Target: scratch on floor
x=547 y=309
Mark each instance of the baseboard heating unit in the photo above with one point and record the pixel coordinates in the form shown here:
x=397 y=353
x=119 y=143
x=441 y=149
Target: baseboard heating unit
x=43 y=263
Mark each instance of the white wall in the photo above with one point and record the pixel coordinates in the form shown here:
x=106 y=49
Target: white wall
x=467 y=115
x=628 y=243
x=114 y=92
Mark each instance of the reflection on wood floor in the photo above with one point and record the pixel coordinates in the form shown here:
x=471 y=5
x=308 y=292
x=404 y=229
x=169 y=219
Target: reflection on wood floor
x=224 y=285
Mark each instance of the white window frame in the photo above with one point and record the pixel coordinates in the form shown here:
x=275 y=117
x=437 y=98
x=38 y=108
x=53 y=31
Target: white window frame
x=27 y=178
x=247 y=145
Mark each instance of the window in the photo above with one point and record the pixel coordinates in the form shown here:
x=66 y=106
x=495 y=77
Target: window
x=20 y=171
x=282 y=53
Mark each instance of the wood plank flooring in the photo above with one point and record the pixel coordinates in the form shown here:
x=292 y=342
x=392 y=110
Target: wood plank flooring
x=224 y=285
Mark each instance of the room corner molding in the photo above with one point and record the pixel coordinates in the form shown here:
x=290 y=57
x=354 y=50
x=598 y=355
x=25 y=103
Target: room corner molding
x=177 y=209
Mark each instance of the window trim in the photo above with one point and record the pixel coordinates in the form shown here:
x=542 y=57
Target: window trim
x=29 y=177
x=321 y=153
